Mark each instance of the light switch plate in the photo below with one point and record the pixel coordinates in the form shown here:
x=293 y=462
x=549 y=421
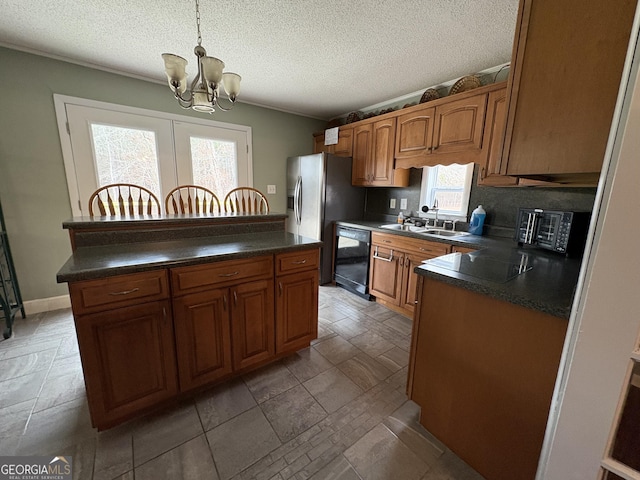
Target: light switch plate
x=271 y=189
x=403 y=204
x=392 y=203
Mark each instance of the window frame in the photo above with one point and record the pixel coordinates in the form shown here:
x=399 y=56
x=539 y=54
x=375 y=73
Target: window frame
x=60 y=103
x=427 y=188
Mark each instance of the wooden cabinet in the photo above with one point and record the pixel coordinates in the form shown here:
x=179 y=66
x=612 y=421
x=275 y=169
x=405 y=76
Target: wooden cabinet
x=344 y=147
x=393 y=259
x=560 y=108
x=297 y=278
x=373 y=161
x=203 y=337
x=127 y=352
x=224 y=318
x=252 y=323
x=482 y=368
x=491 y=171
x=450 y=132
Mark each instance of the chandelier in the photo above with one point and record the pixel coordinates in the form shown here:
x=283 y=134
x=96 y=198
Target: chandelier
x=203 y=95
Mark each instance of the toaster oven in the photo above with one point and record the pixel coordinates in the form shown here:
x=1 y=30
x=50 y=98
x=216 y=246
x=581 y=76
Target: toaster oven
x=560 y=231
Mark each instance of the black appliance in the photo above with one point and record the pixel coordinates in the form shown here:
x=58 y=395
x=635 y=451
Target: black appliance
x=351 y=270
x=560 y=231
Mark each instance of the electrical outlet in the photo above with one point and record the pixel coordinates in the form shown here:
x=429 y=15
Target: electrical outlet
x=403 y=204
x=271 y=189
x=392 y=203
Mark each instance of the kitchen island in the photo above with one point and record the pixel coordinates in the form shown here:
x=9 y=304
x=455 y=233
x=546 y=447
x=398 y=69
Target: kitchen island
x=166 y=305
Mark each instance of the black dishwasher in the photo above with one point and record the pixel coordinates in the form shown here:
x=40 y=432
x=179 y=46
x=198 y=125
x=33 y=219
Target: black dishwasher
x=352 y=260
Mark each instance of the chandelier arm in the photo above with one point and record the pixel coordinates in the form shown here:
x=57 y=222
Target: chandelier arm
x=231 y=103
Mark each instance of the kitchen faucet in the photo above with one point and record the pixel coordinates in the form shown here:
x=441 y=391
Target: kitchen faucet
x=435 y=209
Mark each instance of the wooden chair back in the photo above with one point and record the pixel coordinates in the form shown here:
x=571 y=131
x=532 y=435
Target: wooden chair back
x=192 y=199
x=245 y=200
x=123 y=199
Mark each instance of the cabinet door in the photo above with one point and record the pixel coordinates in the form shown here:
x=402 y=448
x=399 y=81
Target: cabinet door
x=128 y=359
x=296 y=311
x=490 y=172
x=360 y=169
x=559 y=118
x=385 y=274
x=410 y=280
x=252 y=323
x=344 y=147
x=458 y=128
x=384 y=134
x=318 y=144
x=414 y=133
x=203 y=337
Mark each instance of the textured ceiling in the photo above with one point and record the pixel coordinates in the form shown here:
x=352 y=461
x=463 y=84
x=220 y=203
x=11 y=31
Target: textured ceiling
x=320 y=58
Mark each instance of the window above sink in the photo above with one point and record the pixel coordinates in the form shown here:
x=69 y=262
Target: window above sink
x=450 y=187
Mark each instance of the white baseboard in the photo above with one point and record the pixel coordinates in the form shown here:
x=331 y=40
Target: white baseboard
x=46 y=304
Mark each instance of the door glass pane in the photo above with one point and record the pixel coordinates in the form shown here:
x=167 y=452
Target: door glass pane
x=126 y=155
x=214 y=164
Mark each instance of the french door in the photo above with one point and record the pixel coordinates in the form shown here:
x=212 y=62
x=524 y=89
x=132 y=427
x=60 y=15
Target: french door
x=105 y=144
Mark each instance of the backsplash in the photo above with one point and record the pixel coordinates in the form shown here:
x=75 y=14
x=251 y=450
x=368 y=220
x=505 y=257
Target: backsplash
x=501 y=203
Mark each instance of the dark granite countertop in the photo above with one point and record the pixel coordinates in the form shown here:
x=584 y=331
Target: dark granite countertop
x=547 y=283
x=107 y=260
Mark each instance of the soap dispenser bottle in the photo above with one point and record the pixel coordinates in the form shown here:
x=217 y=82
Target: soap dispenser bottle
x=477 y=221
x=401 y=218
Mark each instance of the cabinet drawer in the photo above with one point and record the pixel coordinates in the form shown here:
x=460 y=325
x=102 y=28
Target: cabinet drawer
x=119 y=291
x=297 y=261
x=201 y=277
x=417 y=245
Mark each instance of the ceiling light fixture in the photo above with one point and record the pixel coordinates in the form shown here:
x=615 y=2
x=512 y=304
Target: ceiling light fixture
x=203 y=94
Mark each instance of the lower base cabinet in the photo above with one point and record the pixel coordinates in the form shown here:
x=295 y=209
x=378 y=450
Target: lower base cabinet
x=128 y=359
x=297 y=307
x=203 y=337
x=393 y=259
x=222 y=319
x=252 y=325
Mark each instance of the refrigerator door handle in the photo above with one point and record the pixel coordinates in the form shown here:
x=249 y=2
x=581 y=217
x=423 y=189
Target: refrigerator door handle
x=298 y=200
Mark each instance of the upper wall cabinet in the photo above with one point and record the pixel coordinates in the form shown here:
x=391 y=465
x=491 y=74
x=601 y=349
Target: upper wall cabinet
x=448 y=133
x=490 y=171
x=344 y=147
x=567 y=63
x=373 y=163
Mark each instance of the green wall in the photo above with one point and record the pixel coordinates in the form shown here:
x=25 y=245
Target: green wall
x=33 y=187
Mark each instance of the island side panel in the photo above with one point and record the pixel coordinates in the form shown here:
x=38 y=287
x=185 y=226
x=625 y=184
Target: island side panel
x=483 y=373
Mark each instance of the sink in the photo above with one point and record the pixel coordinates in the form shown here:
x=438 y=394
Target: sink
x=406 y=227
x=445 y=233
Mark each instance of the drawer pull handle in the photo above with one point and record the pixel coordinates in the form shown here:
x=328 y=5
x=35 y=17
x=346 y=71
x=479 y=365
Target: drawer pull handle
x=125 y=292
x=235 y=297
x=280 y=287
x=228 y=274
x=224 y=302
x=301 y=262
x=375 y=255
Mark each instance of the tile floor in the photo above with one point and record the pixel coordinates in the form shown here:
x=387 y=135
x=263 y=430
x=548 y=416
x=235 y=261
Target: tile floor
x=336 y=410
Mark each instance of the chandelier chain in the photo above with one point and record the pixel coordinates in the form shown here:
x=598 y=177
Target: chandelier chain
x=198 y=22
